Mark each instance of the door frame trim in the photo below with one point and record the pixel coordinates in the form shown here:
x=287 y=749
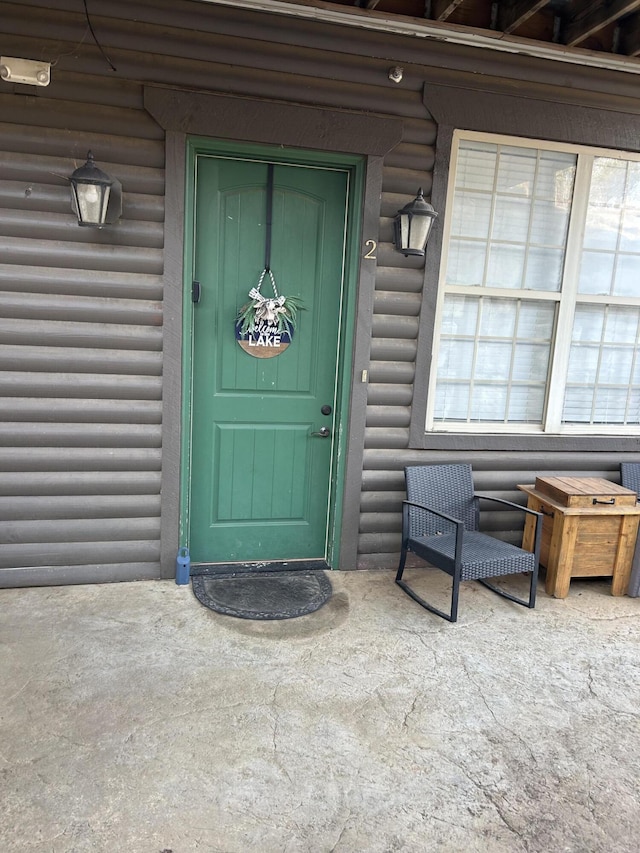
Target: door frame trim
x=354 y=165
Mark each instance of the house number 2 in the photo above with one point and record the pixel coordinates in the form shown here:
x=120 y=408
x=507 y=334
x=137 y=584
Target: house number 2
x=372 y=251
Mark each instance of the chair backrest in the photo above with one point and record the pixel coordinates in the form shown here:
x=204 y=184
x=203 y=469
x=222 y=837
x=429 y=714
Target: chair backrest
x=447 y=488
x=630 y=476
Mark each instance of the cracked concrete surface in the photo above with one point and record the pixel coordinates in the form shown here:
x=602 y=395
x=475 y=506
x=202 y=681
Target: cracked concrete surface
x=134 y=719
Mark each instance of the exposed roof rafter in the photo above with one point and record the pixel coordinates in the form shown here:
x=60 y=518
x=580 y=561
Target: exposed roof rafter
x=593 y=15
x=441 y=10
x=569 y=22
x=630 y=36
x=513 y=15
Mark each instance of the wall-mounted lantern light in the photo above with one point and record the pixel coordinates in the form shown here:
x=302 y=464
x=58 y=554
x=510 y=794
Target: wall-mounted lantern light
x=96 y=197
x=412 y=226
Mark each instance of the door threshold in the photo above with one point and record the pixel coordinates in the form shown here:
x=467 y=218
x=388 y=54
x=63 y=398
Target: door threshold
x=259 y=566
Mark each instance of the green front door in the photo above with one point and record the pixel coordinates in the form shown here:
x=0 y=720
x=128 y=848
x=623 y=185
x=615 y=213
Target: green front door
x=261 y=480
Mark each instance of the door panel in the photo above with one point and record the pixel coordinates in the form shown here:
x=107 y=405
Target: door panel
x=260 y=482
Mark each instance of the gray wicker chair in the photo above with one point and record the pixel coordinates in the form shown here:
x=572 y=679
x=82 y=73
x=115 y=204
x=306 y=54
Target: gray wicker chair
x=630 y=479
x=440 y=521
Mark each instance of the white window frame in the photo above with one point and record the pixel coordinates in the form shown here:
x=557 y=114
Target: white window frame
x=567 y=296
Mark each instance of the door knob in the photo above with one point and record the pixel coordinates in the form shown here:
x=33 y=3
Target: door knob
x=323 y=432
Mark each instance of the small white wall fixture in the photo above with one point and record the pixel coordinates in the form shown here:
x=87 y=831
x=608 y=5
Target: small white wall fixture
x=28 y=71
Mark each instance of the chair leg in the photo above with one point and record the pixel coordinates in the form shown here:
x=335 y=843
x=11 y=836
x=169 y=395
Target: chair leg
x=533 y=588
x=533 y=584
x=455 y=593
x=455 y=590
x=403 y=559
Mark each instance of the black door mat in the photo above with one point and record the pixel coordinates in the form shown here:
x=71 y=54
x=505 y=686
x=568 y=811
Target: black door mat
x=263 y=595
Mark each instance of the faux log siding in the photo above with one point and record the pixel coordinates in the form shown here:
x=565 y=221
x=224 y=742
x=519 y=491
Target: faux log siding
x=80 y=344
x=54 y=309
x=74 y=341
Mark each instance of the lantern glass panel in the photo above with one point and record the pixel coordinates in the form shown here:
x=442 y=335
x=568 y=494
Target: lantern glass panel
x=420 y=227
x=92 y=200
x=404 y=230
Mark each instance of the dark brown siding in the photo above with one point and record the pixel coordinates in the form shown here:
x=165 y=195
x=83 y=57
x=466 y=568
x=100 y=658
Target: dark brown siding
x=81 y=317
x=81 y=340
x=81 y=311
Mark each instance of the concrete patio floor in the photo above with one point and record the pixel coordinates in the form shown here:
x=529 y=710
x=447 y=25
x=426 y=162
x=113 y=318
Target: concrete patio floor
x=134 y=719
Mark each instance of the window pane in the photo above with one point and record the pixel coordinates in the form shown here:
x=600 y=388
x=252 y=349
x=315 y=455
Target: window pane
x=607 y=181
x=615 y=365
x=549 y=223
x=627 y=280
x=556 y=174
x=497 y=317
x=466 y=263
x=516 y=170
x=632 y=196
x=630 y=231
x=488 y=402
x=601 y=231
x=609 y=406
x=633 y=412
x=452 y=402
x=493 y=360
x=596 y=272
x=471 y=215
x=460 y=315
x=506 y=265
x=531 y=361
x=503 y=369
x=455 y=359
x=603 y=376
x=511 y=219
x=476 y=165
x=583 y=364
x=535 y=320
x=526 y=404
x=621 y=325
x=577 y=405
x=613 y=225
x=588 y=323
x=544 y=269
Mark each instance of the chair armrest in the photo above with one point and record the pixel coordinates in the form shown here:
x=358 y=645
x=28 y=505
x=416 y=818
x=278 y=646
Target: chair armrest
x=450 y=518
x=537 y=515
x=509 y=503
x=457 y=525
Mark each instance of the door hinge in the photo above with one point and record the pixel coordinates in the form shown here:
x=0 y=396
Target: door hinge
x=195 y=292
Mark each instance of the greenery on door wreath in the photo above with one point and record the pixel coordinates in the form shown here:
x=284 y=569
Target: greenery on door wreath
x=279 y=311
